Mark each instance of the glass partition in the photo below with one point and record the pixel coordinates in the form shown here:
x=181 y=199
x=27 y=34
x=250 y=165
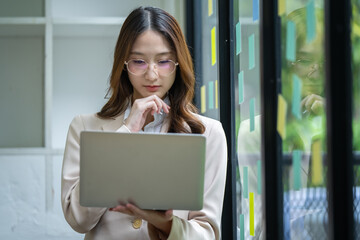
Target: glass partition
x=355 y=38
x=208 y=72
x=301 y=119
x=246 y=55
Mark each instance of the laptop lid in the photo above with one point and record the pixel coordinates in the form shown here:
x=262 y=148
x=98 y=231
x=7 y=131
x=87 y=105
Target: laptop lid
x=152 y=171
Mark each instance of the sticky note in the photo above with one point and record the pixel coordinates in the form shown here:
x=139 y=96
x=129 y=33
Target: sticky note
x=245 y=183
x=251 y=214
x=296 y=97
x=203 y=99
x=259 y=177
x=310 y=21
x=242 y=228
x=281 y=7
x=255 y=10
x=211 y=95
x=290 y=41
x=281 y=116
x=296 y=162
x=213 y=46
x=241 y=87
x=210 y=7
x=252 y=114
x=251 y=51
x=356 y=29
x=238 y=38
x=216 y=94
x=316 y=163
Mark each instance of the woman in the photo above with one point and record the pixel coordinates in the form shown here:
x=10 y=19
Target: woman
x=151 y=87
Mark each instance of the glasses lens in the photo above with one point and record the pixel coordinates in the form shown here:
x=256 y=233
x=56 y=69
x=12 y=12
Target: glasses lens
x=137 y=66
x=163 y=67
x=166 y=67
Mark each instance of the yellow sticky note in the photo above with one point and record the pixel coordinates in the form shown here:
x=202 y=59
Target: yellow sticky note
x=203 y=99
x=316 y=160
x=251 y=214
x=281 y=116
x=213 y=46
x=281 y=7
x=210 y=6
x=356 y=28
x=216 y=95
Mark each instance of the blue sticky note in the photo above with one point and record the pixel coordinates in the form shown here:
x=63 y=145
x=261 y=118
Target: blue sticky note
x=251 y=51
x=238 y=38
x=255 y=10
x=296 y=97
x=296 y=162
x=291 y=41
x=252 y=114
x=310 y=21
x=242 y=229
x=241 y=87
x=211 y=95
x=245 y=183
x=259 y=176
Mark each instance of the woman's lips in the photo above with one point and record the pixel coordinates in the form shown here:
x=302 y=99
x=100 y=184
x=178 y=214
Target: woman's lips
x=152 y=88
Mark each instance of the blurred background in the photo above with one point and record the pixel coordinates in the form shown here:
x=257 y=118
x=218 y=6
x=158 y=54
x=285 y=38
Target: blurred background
x=55 y=61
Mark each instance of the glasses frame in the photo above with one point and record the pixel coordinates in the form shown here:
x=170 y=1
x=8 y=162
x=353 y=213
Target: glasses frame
x=157 y=69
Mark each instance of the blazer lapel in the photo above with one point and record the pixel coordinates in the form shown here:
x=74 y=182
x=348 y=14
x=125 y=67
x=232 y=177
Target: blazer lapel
x=114 y=124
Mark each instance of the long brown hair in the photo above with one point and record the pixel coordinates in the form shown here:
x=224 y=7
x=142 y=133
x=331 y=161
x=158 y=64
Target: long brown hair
x=182 y=91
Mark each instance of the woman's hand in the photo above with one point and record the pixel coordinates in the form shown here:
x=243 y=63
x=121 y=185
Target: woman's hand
x=313 y=104
x=161 y=220
x=140 y=110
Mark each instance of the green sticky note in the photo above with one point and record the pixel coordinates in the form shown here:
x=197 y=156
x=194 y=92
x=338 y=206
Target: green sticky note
x=241 y=87
x=251 y=51
x=310 y=21
x=296 y=97
x=238 y=38
x=259 y=176
x=245 y=183
x=252 y=114
x=211 y=95
x=242 y=228
x=296 y=162
x=291 y=41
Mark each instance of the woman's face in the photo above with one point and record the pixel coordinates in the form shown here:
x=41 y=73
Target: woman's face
x=152 y=48
x=309 y=66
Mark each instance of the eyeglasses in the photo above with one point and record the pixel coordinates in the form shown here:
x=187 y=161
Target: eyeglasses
x=306 y=63
x=139 y=67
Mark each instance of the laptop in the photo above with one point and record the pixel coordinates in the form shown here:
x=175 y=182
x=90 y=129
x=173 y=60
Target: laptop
x=152 y=171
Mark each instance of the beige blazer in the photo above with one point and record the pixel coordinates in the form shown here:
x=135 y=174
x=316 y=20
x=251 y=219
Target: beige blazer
x=100 y=223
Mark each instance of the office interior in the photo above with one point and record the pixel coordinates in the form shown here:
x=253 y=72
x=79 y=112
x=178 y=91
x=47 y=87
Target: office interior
x=282 y=76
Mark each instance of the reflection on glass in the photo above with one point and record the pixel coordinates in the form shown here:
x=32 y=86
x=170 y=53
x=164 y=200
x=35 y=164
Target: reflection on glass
x=305 y=203
x=247 y=112
x=355 y=38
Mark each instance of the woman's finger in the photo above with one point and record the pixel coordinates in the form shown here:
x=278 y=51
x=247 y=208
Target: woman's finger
x=122 y=209
x=160 y=104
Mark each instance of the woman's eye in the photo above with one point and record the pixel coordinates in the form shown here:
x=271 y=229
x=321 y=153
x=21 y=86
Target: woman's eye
x=139 y=62
x=164 y=62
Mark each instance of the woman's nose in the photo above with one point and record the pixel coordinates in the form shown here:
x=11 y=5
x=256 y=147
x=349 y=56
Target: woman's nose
x=314 y=68
x=152 y=72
